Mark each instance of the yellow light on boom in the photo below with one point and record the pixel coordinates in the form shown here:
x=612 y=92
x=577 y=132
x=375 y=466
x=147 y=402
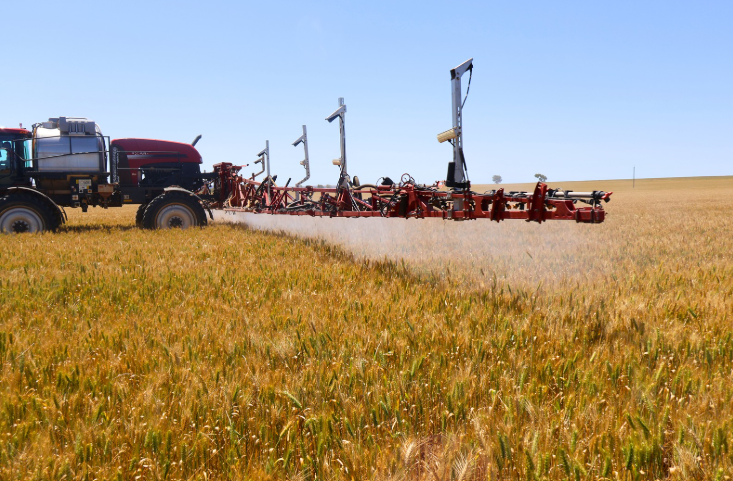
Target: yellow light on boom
x=449 y=134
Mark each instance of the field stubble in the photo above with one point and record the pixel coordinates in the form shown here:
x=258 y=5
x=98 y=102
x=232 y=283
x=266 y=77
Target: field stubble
x=479 y=351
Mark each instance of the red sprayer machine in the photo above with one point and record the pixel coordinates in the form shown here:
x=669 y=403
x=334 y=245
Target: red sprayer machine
x=67 y=162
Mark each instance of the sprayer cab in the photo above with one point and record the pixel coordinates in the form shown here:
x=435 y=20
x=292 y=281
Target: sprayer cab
x=14 y=152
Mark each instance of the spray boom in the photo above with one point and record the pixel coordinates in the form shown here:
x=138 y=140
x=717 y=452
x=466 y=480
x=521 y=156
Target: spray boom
x=406 y=199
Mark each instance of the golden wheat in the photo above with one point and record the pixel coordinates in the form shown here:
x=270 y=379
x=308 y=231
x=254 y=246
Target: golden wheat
x=540 y=352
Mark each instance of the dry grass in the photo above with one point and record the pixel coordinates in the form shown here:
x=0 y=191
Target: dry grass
x=525 y=352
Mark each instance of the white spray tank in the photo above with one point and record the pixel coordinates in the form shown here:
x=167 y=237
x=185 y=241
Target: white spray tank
x=68 y=145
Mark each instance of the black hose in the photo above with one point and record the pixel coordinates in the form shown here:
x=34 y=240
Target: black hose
x=470 y=76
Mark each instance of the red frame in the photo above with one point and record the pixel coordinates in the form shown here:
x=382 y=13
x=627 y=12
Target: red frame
x=406 y=200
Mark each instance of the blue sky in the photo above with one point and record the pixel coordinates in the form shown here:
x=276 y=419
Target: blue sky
x=576 y=90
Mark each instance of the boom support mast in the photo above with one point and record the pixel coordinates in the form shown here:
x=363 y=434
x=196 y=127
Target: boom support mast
x=457 y=177
x=264 y=155
x=303 y=139
x=340 y=114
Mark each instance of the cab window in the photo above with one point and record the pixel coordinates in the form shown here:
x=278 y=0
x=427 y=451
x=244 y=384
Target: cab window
x=6 y=151
x=21 y=151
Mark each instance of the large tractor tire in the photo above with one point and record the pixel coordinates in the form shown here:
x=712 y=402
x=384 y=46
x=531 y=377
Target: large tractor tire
x=25 y=213
x=139 y=215
x=174 y=210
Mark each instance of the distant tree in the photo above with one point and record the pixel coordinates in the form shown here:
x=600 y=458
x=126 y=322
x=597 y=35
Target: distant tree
x=319 y=186
x=496 y=179
x=541 y=177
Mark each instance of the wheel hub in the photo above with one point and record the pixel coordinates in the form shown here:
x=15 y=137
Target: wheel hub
x=20 y=226
x=20 y=219
x=175 y=216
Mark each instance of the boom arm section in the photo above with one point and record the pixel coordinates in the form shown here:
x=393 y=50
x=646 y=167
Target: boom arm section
x=407 y=199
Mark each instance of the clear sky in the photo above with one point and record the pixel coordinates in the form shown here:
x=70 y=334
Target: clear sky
x=576 y=90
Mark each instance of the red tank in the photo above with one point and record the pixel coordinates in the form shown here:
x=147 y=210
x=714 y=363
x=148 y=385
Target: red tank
x=132 y=154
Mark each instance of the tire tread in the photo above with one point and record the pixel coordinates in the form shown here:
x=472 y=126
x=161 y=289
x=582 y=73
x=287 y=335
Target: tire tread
x=50 y=214
x=152 y=209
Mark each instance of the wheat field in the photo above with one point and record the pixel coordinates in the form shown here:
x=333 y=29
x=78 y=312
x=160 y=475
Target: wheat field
x=412 y=350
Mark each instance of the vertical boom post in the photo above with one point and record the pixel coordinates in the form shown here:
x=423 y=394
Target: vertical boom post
x=340 y=114
x=456 y=177
x=265 y=155
x=303 y=139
